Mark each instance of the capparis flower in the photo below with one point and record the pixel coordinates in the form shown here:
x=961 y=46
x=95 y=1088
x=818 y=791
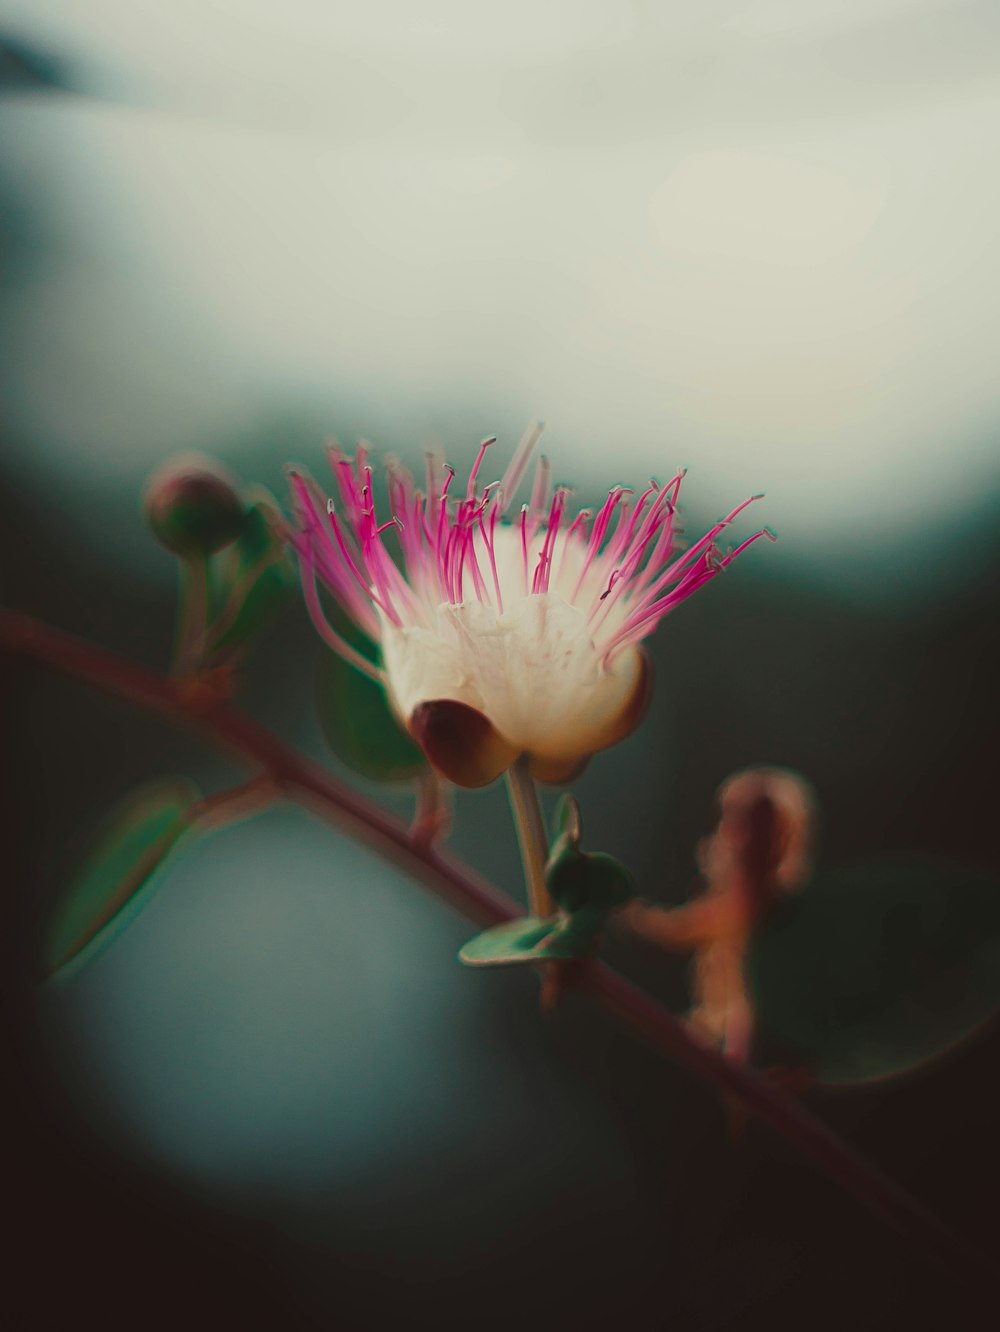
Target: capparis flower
x=501 y=632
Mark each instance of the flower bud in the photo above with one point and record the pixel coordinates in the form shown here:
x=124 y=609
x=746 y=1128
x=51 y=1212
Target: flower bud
x=192 y=506
x=765 y=836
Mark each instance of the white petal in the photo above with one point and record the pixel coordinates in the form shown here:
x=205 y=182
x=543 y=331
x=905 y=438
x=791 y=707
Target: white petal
x=422 y=665
x=533 y=671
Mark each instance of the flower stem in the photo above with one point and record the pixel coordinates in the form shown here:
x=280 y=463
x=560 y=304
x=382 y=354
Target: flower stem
x=236 y=803
x=531 y=835
x=192 y=612
x=459 y=885
x=432 y=819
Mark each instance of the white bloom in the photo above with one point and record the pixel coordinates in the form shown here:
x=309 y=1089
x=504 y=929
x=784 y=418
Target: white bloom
x=500 y=638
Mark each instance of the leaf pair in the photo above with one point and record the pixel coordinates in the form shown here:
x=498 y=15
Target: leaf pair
x=253 y=579
x=586 y=887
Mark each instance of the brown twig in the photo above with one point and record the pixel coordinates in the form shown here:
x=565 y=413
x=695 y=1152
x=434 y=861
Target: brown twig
x=479 y=901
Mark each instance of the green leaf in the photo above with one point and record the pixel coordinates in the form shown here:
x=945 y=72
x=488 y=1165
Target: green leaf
x=528 y=940
x=258 y=537
x=360 y=727
x=871 y=971
x=585 y=886
x=137 y=840
x=255 y=583
x=593 y=881
x=580 y=880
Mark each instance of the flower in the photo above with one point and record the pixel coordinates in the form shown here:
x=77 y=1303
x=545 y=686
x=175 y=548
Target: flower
x=502 y=635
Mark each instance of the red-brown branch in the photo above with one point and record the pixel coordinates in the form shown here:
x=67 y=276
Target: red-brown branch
x=200 y=706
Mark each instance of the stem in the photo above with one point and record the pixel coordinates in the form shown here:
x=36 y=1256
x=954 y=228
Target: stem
x=531 y=835
x=196 y=704
x=236 y=804
x=432 y=819
x=237 y=598
x=193 y=598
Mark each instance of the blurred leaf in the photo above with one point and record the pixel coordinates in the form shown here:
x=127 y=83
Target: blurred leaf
x=255 y=583
x=359 y=726
x=586 y=888
x=525 y=941
x=873 y=970
x=138 y=838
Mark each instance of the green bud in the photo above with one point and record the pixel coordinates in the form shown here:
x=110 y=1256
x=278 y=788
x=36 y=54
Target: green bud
x=193 y=507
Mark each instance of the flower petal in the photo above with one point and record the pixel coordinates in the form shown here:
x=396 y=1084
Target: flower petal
x=460 y=742
x=533 y=672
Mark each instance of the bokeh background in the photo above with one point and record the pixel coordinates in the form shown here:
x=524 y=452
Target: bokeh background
x=757 y=239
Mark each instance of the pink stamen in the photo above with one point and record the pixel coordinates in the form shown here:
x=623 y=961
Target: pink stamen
x=488 y=542
x=669 y=575
x=363 y=583
x=540 y=490
x=519 y=464
x=471 y=493
x=541 y=579
x=627 y=556
x=524 y=544
x=468 y=550
x=597 y=535
x=325 y=629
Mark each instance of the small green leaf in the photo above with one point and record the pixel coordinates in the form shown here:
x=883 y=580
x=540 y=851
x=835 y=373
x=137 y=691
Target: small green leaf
x=592 y=881
x=137 y=840
x=360 y=727
x=871 y=971
x=259 y=538
x=585 y=886
x=580 y=880
x=528 y=940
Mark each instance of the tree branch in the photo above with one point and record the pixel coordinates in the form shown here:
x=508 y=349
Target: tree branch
x=200 y=706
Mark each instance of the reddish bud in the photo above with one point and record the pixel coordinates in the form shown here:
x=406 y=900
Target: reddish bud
x=193 y=507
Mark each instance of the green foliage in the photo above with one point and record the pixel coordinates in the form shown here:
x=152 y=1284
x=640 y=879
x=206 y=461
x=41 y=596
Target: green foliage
x=873 y=970
x=136 y=842
x=586 y=887
x=591 y=882
x=255 y=581
x=528 y=940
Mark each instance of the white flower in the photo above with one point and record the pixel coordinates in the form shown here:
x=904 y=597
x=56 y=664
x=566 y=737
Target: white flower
x=500 y=638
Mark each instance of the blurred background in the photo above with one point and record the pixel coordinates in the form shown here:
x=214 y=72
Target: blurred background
x=755 y=239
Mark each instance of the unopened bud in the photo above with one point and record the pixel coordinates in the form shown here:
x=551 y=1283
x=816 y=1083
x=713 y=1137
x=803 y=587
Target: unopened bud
x=193 y=507
x=766 y=834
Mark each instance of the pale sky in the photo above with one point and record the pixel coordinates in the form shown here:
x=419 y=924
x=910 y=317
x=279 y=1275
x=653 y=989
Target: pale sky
x=755 y=239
